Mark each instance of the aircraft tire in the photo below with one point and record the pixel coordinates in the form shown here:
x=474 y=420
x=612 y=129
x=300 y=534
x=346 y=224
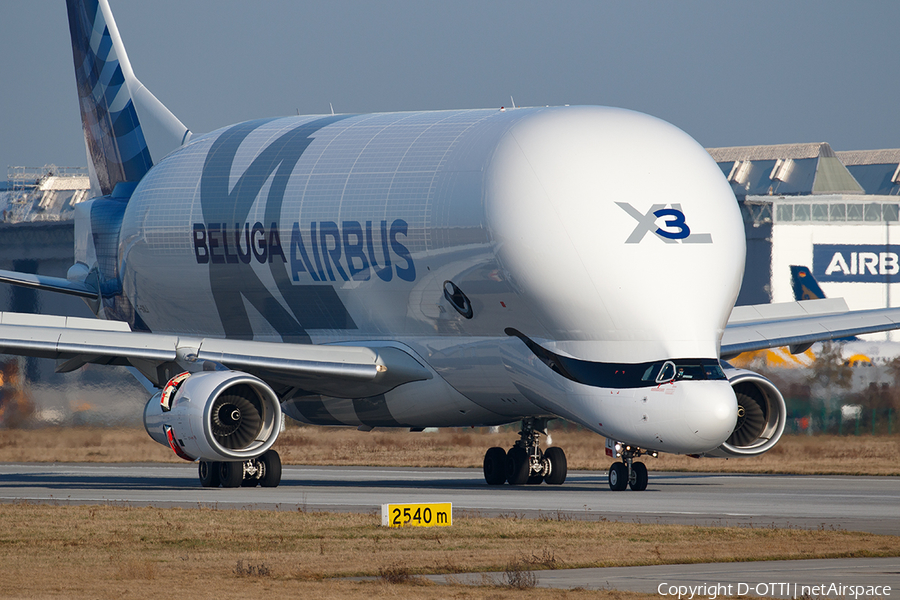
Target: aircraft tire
x=618 y=477
x=639 y=477
x=558 y=466
x=209 y=473
x=517 y=467
x=272 y=462
x=231 y=474
x=495 y=466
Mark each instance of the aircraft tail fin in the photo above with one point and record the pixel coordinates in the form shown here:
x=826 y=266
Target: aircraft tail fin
x=804 y=284
x=126 y=129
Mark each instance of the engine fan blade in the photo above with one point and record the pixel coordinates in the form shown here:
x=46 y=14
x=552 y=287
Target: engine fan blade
x=751 y=419
x=237 y=417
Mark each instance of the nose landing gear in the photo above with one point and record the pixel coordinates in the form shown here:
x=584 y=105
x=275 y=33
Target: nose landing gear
x=629 y=473
x=525 y=463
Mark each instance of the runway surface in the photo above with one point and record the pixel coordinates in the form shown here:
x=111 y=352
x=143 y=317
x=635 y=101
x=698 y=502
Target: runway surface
x=851 y=503
x=771 y=579
x=811 y=502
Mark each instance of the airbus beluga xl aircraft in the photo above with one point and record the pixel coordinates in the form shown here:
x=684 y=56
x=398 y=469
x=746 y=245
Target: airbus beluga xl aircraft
x=425 y=269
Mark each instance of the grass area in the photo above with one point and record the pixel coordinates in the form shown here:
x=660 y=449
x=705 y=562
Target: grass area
x=825 y=454
x=106 y=551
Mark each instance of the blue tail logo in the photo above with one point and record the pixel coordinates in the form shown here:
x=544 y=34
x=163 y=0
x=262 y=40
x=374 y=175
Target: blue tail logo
x=804 y=284
x=113 y=133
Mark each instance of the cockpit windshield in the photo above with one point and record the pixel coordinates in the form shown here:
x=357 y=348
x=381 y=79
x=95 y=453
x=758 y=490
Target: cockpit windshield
x=626 y=375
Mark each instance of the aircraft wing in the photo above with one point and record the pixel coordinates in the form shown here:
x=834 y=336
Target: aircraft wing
x=51 y=284
x=800 y=324
x=363 y=371
x=333 y=370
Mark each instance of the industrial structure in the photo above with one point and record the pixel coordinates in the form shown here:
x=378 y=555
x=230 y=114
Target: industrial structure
x=37 y=236
x=48 y=193
x=837 y=212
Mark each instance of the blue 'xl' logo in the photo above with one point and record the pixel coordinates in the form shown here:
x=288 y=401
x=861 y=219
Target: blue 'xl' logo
x=674 y=228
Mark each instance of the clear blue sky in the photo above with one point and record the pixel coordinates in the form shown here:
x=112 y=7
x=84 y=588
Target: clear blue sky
x=728 y=73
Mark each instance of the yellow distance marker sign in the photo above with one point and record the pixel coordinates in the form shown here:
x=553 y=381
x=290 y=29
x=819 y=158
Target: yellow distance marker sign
x=434 y=514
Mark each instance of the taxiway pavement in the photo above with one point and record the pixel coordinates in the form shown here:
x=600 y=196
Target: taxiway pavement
x=828 y=578
x=852 y=503
x=810 y=502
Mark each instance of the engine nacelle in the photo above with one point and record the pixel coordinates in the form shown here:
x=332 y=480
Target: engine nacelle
x=761 y=415
x=216 y=416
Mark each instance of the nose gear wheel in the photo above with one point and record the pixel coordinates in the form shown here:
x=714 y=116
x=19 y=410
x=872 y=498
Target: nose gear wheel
x=629 y=473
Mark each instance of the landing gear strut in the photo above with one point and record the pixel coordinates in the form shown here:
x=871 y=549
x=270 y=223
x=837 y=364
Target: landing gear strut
x=263 y=470
x=525 y=463
x=628 y=472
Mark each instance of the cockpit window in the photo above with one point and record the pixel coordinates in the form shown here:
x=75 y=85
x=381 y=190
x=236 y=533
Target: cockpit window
x=625 y=375
x=714 y=371
x=667 y=372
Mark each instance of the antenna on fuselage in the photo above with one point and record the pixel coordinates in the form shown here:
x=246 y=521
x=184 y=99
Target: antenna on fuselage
x=332 y=107
x=512 y=101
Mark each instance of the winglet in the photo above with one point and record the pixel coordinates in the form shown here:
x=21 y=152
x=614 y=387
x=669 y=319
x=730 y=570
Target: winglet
x=804 y=284
x=126 y=129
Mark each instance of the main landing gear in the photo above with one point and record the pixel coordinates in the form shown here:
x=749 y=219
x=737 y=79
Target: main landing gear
x=525 y=463
x=263 y=470
x=628 y=472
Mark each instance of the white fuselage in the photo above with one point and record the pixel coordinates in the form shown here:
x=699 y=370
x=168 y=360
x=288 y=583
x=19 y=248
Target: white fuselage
x=601 y=235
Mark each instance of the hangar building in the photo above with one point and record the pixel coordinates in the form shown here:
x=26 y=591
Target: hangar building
x=836 y=212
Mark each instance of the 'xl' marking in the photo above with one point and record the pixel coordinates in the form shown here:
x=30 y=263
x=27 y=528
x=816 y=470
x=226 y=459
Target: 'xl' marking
x=674 y=227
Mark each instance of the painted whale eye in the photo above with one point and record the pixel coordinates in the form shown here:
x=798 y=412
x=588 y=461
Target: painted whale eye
x=457 y=299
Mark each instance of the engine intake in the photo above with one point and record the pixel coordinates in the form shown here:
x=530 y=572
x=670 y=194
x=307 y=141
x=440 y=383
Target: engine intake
x=761 y=415
x=215 y=416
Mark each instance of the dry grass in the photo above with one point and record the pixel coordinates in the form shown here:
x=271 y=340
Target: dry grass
x=850 y=455
x=103 y=551
x=81 y=444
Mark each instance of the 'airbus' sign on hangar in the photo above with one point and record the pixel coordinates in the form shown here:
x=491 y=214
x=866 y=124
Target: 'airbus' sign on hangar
x=870 y=263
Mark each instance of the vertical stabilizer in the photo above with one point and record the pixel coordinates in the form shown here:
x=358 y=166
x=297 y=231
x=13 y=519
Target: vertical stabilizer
x=126 y=129
x=804 y=284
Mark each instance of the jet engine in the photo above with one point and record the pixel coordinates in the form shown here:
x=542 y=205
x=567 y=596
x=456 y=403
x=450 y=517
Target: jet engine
x=214 y=416
x=761 y=415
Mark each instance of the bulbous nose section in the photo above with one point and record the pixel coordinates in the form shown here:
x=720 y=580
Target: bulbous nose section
x=615 y=226
x=711 y=411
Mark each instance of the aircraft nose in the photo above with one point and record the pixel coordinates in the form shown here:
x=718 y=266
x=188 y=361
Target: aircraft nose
x=713 y=411
x=572 y=206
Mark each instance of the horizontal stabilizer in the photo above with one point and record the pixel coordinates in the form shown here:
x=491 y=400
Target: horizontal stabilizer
x=50 y=284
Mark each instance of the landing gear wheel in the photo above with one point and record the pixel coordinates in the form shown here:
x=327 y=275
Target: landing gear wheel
x=556 y=458
x=231 y=474
x=209 y=473
x=250 y=482
x=639 y=477
x=517 y=466
x=495 y=466
x=618 y=477
x=535 y=478
x=271 y=469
